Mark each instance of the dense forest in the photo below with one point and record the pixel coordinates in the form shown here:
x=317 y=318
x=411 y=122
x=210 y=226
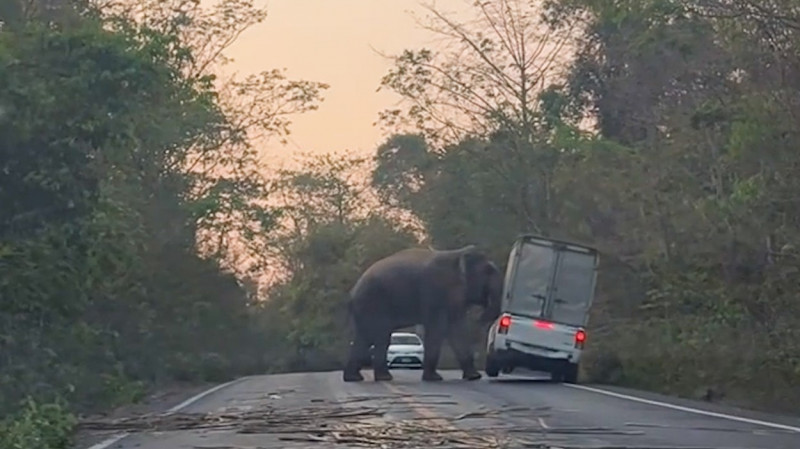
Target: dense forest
x=137 y=218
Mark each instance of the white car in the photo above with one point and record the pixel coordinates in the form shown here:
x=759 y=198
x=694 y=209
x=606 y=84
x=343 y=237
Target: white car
x=405 y=350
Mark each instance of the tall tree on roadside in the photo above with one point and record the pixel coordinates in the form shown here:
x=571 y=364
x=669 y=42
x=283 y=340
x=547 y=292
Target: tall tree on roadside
x=227 y=178
x=117 y=151
x=330 y=230
x=485 y=80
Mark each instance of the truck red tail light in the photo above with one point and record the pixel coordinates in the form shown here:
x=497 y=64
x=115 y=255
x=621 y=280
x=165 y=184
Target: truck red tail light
x=580 y=338
x=505 y=323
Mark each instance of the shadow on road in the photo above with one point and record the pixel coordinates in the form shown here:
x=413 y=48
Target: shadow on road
x=522 y=378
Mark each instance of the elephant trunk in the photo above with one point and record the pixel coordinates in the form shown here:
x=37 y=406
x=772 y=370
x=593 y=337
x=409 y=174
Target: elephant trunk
x=492 y=310
x=493 y=296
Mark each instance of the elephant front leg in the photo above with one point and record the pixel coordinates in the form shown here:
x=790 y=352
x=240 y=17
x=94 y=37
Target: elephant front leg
x=459 y=340
x=435 y=333
x=380 y=366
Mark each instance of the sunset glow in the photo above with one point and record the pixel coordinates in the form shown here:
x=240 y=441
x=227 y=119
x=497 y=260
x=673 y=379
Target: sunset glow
x=338 y=43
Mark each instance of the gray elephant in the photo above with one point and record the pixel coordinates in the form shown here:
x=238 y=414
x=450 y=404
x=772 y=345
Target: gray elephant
x=422 y=286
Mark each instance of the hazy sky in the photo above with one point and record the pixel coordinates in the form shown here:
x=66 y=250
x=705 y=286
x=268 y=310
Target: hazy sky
x=332 y=41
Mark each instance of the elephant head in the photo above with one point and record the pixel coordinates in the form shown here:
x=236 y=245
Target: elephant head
x=483 y=281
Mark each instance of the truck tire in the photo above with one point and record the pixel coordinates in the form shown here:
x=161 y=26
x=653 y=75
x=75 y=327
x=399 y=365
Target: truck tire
x=492 y=367
x=571 y=373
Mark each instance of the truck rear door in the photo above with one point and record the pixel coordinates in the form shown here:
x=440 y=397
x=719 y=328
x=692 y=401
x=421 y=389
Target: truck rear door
x=547 y=294
x=573 y=288
x=528 y=290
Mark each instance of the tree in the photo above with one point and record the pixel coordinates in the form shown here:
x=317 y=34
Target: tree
x=485 y=76
x=227 y=186
x=682 y=176
x=331 y=231
x=668 y=145
x=119 y=148
x=489 y=80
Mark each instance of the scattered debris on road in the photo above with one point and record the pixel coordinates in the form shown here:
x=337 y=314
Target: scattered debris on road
x=404 y=434
x=355 y=399
x=352 y=426
x=268 y=417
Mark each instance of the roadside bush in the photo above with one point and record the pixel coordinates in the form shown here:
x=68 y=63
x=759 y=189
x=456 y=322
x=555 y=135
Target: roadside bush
x=38 y=426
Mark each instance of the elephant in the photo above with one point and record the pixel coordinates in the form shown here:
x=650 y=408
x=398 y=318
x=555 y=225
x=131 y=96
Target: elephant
x=418 y=286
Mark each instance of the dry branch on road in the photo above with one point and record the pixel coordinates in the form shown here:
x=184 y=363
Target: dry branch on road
x=267 y=417
x=338 y=425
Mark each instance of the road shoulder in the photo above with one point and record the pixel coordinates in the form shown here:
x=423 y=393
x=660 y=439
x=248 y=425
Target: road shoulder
x=160 y=400
x=708 y=407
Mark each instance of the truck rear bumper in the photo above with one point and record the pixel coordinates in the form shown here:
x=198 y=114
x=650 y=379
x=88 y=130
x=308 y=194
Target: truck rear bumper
x=510 y=358
x=529 y=350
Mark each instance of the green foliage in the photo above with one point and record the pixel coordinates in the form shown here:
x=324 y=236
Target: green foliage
x=670 y=147
x=122 y=159
x=38 y=426
x=134 y=214
x=330 y=234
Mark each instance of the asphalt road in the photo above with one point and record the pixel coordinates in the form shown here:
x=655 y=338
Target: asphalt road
x=508 y=412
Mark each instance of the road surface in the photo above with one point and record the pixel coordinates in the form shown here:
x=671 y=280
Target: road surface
x=265 y=412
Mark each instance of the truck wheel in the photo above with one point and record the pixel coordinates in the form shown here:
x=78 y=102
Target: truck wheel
x=492 y=367
x=571 y=373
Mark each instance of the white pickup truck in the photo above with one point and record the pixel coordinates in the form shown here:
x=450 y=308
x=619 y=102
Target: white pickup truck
x=547 y=293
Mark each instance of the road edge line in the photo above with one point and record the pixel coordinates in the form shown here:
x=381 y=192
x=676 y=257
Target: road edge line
x=172 y=410
x=108 y=442
x=201 y=395
x=686 y=409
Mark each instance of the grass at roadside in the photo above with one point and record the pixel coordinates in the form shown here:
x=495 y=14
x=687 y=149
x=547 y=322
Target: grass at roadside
x=53 y=425
x=691 y=358
x=38 y=426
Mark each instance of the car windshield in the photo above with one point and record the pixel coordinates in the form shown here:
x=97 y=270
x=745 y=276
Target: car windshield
x=405 y=340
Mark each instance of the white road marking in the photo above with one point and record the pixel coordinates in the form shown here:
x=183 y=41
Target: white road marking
x=106 y=443
x=686 y=409
x=201 y=395
x=543 y=424
x=118 y=437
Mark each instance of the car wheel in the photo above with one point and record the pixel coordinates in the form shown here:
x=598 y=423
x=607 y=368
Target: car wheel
x=492 y=367
x=571 y=373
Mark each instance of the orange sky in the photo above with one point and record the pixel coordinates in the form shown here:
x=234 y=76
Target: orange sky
x=332 y=41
